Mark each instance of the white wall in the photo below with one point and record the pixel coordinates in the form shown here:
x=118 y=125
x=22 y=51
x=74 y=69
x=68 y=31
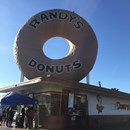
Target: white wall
x=109 y=105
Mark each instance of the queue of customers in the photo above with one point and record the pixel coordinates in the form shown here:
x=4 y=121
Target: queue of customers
x=22 y=120
x=27 y=117
x=7 y=116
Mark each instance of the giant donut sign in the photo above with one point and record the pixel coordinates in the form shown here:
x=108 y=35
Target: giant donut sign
x=29 y=42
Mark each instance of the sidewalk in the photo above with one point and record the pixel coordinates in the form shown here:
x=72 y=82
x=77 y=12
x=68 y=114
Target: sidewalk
x=10 y=128
x=14 y=128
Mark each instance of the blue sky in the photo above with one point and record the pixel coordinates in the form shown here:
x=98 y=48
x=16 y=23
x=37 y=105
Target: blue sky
x=109 y=19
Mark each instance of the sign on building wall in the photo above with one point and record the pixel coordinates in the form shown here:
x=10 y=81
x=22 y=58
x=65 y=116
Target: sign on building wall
x=104 y=105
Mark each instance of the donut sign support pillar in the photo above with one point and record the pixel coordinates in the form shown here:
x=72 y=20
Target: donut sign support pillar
x=31 y=38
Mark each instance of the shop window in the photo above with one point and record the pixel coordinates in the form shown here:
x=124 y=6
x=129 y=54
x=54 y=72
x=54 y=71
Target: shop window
x=44 y=101
x=55 y=104
x=79 y=104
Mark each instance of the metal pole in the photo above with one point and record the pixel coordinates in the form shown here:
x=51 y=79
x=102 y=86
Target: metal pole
x=60 y=104
x=88 y=79
x=22 y=77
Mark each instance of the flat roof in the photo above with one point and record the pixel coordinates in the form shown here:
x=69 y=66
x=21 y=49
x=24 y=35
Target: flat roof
x=39 y=82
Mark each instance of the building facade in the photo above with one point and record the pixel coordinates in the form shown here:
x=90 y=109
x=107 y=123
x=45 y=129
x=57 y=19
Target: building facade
x=71 y=105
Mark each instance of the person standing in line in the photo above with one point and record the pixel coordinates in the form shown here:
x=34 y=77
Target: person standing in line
x=11 y=117
x=27 y=118
x=23 y=116
x=7 y=116
x=36 y=118
x=30 y=117
x=4 y=116
x=25 y=121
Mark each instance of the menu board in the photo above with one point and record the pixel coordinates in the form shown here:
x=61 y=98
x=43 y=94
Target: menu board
x=71 y=100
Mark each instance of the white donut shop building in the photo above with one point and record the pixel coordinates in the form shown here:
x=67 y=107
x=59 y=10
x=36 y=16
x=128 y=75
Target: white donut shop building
x=63 y=102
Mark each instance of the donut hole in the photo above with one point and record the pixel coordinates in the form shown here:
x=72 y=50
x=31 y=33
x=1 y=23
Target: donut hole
x=57 y=48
